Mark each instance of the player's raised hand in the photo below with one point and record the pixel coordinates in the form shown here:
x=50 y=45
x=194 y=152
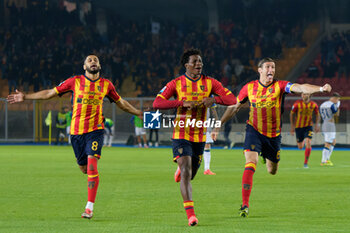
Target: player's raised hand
x=15 y=98
x=190 y=104
x=327 y=88
x=208 y=102
x=214 y=133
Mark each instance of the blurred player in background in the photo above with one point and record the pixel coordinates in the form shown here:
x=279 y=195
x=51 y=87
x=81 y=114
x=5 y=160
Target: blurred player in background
x=304 y=109
x=191 y=92
x=328 y=110
x=87 y=126
x=69 y=121
x=156 y=133
x=109 y=129
x=140 y=131
x=263 y=131
x=61 y=124
x=207 y=153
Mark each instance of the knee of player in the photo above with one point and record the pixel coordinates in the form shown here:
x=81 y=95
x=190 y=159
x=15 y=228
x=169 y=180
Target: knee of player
x=186 y=172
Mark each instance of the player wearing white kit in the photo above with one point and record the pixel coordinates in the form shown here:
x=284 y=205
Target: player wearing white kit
x=327 y=110
x=207 y=154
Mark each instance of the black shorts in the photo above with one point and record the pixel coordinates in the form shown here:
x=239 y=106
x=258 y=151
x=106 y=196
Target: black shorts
x=268 y=148
x=87 y=144
x=182 y=147
x=302 y=133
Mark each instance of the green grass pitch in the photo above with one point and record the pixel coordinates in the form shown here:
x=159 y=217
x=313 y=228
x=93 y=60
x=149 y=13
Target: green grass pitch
x=43 y=190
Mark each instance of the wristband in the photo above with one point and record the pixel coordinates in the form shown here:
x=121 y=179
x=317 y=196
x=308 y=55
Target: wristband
x=321 y=89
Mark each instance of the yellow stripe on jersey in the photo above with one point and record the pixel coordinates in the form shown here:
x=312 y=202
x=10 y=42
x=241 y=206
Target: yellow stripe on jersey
x=84 y=107
x=93 y=107
x=277 y=102
x=259 y=110
x=75 y=106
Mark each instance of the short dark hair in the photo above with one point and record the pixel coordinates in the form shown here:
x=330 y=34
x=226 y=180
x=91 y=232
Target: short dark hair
x=336 y=94
x=189 y=52
x=262 y=61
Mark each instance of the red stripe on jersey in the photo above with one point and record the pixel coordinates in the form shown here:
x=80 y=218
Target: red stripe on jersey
x=274 y=126
x=204 y=83
x=264 y=114
x=98 y=112
x=182 y=118
x=82 y=83
x=255 y=110
x=97 y=116
x=195 y=90
x=77 y=116
x=89 y=108
x=183 y=86
x=192 y=129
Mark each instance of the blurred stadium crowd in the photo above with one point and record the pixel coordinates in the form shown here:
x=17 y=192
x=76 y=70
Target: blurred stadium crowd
x=40 y=50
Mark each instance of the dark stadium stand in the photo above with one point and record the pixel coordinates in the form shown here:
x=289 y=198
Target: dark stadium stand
x=41 y=55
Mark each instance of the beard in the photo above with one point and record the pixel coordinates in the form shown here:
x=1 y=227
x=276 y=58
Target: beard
x=93 y=71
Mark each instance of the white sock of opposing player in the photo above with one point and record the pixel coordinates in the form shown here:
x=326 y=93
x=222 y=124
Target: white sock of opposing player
x=325 y=153
x=105 y=140
x=89 y=205
x=330 y=152
x=110 y=140
x=207 y=158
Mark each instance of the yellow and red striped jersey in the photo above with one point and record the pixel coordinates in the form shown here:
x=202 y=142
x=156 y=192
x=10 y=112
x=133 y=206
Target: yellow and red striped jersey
x=266 y=105
x=184 y=88
x=304 y=113
x=87 y=99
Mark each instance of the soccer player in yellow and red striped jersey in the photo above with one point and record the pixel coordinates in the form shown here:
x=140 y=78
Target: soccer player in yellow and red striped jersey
x=192 y=92
x=263 y=131
x=87 y=128
x=304 y=108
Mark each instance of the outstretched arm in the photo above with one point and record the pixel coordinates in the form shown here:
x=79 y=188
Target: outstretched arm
x=310 y=89
x=40 y=95
x=229 y=113
x=127 y=107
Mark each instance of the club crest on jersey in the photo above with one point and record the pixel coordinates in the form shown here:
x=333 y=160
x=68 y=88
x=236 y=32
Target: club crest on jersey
x=202 y=87
x=99 y=88
x=271 y=90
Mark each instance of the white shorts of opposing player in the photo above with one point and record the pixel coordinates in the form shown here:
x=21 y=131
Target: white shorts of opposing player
x=139 y=131
x=328 y=131
x=108 y=136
